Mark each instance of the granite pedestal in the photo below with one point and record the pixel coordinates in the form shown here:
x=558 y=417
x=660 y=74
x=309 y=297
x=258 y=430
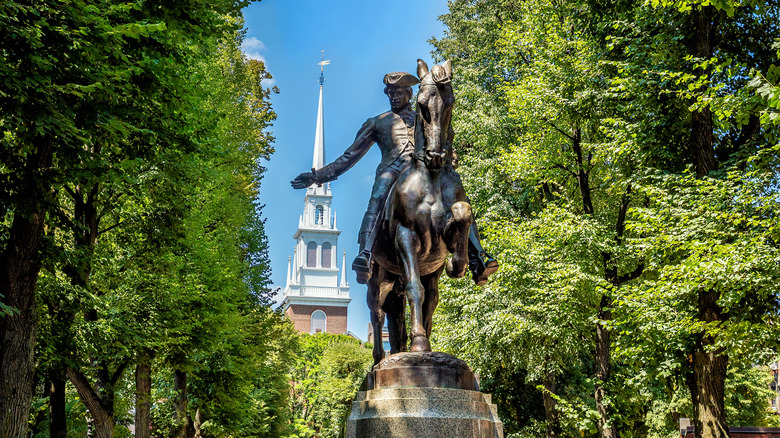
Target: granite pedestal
x=431 y=395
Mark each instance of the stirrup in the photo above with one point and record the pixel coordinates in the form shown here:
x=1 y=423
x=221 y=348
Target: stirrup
x=482 y=267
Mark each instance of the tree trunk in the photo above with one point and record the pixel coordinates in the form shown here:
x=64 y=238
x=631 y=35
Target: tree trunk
x=551 y=415
x=99 y=397
x=603 y=341
x=185 y=427
x=17 y=337
x=58 y=427
x=101 y=409
x=701 y=120
x=707 y=384
x=707 y=379
x=20 y=263
x=603 y=370
x=143 y=394
x=702 y=130
x=197 y=432
x=40 y=414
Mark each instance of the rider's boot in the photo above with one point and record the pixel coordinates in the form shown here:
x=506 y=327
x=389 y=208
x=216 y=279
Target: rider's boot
x=362 y=263
x=481 y=264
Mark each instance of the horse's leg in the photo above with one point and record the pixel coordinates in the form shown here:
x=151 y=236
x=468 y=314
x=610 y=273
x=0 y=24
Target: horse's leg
x=456 y=236
x=396 y=323
x=377 y=317
x=408 y=246
x=431 y=284
x=400 y=321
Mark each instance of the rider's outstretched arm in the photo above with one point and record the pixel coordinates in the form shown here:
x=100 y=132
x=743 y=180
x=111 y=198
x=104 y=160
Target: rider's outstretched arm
x=363 y=141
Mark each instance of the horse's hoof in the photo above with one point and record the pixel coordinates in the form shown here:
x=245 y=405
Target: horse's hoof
x=452 y=272
x=421 y=343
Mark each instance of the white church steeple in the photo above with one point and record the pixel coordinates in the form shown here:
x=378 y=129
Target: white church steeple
x=314 y=298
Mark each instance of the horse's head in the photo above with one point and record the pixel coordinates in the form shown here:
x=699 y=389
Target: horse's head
x=434 y=112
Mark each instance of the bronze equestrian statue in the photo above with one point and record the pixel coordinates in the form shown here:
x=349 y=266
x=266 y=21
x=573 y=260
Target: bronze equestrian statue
x=393 y=132
x=418 y=212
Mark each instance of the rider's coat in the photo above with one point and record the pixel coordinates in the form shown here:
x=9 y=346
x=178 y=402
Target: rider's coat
x=393 y=133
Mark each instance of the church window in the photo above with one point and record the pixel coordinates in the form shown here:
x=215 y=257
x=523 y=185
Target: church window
x=319 y=215
x=311 y=254
x=326 y=251
x=319 y=321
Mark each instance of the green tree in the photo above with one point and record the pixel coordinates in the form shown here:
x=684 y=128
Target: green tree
x=595 y=111
x=573 y=256
x=700 y=57
x=153 y=242
x=324 y=381
x=201 y=268
x=86 y=88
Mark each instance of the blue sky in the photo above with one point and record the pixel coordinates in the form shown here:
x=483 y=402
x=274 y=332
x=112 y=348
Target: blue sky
x=363 y=39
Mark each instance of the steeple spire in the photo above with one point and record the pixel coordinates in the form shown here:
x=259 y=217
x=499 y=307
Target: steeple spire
x=289 y=272
x=344 y=271
x=319 y=135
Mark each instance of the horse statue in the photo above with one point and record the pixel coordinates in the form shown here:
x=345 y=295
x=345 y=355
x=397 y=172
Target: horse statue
x=426 y=217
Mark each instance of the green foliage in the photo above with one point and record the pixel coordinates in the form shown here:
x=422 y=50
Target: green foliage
x=746 y=402
x=574 y=124
x=238 y=387
x=728 y=244
x=768 y=87
x=156 y=123
x=326 y=377
x=573 y=133
x=747 y=389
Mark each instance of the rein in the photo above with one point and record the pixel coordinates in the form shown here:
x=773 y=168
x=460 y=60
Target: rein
x=419 y=153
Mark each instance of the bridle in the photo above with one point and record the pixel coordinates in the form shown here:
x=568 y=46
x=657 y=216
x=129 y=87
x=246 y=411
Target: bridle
x=430 y=80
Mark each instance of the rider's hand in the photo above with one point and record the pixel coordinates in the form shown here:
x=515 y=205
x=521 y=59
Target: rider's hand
x=303 y=180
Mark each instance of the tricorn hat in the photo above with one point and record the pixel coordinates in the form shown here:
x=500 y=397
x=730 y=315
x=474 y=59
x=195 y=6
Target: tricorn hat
x=400 y=79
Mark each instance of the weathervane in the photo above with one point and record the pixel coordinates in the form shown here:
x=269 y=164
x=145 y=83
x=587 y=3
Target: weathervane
x=322 y=65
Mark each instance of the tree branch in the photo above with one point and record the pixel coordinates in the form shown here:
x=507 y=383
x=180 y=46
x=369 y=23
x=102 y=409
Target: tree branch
x=582 y=174
x=620 y=226
x=109 y=228
x=93 y=193
x=118 y=373
x=561 y=166
x=631 y=275
x=557 y=128
x=65 y=219
x=91 y=398
x=107 y=203
x=70 y=191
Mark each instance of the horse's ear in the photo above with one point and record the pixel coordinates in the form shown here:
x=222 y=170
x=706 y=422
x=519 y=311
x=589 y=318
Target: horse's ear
x=448 y=68
x=422 y=68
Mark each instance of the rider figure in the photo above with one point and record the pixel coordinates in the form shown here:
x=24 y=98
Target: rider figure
x=393 y=132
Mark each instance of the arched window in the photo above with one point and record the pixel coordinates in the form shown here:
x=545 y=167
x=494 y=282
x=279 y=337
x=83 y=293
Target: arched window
x=326 y=250
x=311 y=254
x=319 y=215
x=319 y=321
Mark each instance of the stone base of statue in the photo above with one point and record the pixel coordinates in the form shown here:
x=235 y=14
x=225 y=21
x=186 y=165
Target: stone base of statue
x=431 y=395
